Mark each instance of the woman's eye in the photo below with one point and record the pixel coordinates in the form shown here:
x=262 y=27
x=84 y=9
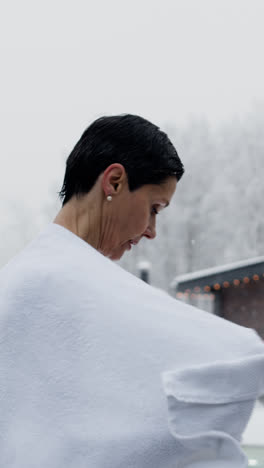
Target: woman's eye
x=154 y=211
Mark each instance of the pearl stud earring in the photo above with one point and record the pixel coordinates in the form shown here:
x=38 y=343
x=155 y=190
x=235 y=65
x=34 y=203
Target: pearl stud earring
x=109 y=198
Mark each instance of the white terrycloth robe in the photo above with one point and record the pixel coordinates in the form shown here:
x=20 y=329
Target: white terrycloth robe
x=100 y=370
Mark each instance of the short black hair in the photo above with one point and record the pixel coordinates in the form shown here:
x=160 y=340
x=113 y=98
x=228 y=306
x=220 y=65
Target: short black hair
x=146 y=153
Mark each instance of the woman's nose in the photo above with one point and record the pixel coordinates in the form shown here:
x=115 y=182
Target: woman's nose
x=150 y=232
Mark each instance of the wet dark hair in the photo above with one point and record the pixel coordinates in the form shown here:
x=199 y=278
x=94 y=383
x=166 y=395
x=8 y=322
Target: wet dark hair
x=146 y=153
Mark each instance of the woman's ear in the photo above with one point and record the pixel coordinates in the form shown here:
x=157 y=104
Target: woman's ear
x=114 y=178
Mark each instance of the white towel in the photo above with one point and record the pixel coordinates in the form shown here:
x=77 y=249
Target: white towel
x=100 y=370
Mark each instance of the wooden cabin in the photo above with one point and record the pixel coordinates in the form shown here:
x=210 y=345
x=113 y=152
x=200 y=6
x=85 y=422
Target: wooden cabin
x=234 y=292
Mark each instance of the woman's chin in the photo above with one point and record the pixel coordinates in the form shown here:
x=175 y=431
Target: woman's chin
x=118 y=253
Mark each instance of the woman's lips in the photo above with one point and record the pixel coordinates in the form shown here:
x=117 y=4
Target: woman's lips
x=130 y=243
x=134 y=242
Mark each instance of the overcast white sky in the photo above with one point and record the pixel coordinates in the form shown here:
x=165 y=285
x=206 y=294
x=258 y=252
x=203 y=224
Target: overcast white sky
x=64 y=63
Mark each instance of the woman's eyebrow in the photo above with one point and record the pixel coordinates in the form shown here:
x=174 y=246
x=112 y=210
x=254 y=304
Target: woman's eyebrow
x=164 y=204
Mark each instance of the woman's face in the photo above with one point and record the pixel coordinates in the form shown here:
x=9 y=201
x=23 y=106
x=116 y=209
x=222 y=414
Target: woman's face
x=132 y=215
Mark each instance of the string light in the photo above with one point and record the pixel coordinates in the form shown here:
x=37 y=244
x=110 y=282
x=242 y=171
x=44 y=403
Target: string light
x=198 y=292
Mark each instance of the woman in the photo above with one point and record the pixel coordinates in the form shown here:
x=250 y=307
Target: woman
x=93 y=360
x=119 y=176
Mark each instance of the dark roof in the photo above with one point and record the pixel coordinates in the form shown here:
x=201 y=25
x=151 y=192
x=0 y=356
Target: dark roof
x=241 y=271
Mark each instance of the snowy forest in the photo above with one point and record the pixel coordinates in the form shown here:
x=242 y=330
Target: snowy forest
x=215 y=218
x=216 y=215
